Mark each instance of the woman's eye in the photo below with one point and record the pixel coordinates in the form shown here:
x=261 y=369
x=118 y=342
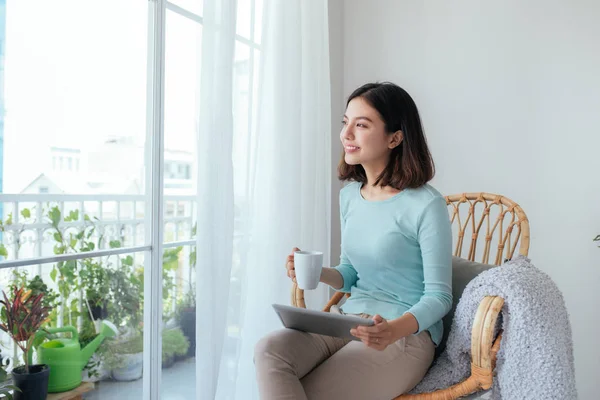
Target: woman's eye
x=361 y=125
x=344 y=123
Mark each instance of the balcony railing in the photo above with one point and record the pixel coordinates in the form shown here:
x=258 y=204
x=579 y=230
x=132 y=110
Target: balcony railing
x=117 y=217
x=36 y=228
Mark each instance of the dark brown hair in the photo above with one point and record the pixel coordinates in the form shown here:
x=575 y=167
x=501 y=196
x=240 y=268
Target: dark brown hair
x=410 y=164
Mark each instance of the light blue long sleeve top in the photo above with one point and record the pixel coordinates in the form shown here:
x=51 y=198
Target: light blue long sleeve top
x=396 y=256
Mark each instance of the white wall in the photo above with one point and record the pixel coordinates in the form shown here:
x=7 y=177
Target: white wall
x=510 y=98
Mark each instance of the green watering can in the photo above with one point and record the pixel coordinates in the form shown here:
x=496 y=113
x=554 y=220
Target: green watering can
x=65 y=356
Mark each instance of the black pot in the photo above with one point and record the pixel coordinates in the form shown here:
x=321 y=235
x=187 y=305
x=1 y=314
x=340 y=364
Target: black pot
x=188 y=327
x=180 y=358
x=33 y=385
x=168 y=362
x=99 y=311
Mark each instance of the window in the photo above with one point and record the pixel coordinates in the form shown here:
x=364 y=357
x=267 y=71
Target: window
x=92 y=117
x=79 y=98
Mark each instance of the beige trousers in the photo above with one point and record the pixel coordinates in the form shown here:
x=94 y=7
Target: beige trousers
x=295 y=365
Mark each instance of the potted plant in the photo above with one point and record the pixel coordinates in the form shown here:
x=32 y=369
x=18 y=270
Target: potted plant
x=95 y=370
x=95 y=281
x=187 y=318
x=187 y=306
x=36 y=285
x=129 y=360
x=23 y=316
x=174 y=344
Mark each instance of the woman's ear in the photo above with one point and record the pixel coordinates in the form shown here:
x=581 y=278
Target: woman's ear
x=396 y=139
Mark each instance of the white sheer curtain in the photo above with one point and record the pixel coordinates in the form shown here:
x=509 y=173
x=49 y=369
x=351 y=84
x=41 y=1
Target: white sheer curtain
x=215 y=203
x=287 y=202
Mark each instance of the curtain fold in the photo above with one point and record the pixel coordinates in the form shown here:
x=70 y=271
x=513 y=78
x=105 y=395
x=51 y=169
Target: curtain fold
x=286 y=199
x=215 y=204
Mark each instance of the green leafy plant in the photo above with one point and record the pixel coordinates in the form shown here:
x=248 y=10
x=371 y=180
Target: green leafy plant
x=95 y=281
x=188 y=299
x=170 y=264
x=65 y=273
x=93 y=367
x=15 y=233
x=112 y=352
x=133 y=345
x=109 y=291
x=113 y=285
x=6 y=385
x=174 y=343
x=24 y=315
x=36 y=285
x=125 y=298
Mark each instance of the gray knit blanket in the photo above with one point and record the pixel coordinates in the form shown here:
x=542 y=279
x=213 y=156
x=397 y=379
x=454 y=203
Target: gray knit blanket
x=535 y=360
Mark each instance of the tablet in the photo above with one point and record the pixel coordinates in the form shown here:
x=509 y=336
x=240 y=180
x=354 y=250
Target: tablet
x=321 y=322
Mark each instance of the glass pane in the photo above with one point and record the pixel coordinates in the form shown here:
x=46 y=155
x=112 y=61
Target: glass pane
x=258 y=21
x=182 y=79
x=75 y=103
x=179 y=319
x=79 y=296
x=195 y=6
x=88 y=135
x=49 y=225
x=255 y=92
x=241 y=92
x=74 y=178
x=244 y=8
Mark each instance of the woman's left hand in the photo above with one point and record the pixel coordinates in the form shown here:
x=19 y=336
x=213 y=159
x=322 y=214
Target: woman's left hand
x=378 y=336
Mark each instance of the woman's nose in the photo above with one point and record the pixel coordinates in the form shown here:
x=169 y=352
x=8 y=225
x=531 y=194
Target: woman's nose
x=347 y=132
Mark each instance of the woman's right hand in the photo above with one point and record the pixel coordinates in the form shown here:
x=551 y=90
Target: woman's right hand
x=289 y=265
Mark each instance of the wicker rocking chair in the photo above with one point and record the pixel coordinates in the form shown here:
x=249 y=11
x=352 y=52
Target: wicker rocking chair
x=477 y=222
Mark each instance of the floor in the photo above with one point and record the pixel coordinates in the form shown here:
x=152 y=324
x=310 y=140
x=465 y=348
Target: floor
x=177 y=384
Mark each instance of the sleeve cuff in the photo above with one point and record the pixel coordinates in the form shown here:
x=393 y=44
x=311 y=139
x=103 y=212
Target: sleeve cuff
x=420 y=313
x=348 y=275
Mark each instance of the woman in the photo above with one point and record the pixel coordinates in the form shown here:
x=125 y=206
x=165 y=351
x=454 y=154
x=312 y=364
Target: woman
x=396 y=263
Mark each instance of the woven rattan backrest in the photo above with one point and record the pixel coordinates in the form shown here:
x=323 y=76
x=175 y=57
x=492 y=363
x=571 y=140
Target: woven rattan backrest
x=495 y=227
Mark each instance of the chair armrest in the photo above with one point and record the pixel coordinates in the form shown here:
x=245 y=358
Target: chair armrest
x=297 y=300
x=482 y=336
x=297 y=296
x=483 y=355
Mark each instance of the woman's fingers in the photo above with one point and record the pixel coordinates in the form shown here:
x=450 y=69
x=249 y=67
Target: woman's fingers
x=367 y=335
x=289 y=265
x=373 y=328
x=375 y=341
x=291 y=273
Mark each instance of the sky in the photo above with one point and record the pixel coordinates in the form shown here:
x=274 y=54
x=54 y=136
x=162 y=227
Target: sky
x=76 y=73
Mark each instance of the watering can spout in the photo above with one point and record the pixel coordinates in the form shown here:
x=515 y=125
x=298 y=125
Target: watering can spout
x=107 y=330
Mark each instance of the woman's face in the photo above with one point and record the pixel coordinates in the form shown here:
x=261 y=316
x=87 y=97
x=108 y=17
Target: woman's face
x=363 y=135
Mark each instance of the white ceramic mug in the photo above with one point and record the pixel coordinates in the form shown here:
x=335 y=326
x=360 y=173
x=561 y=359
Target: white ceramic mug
x=308 y=266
